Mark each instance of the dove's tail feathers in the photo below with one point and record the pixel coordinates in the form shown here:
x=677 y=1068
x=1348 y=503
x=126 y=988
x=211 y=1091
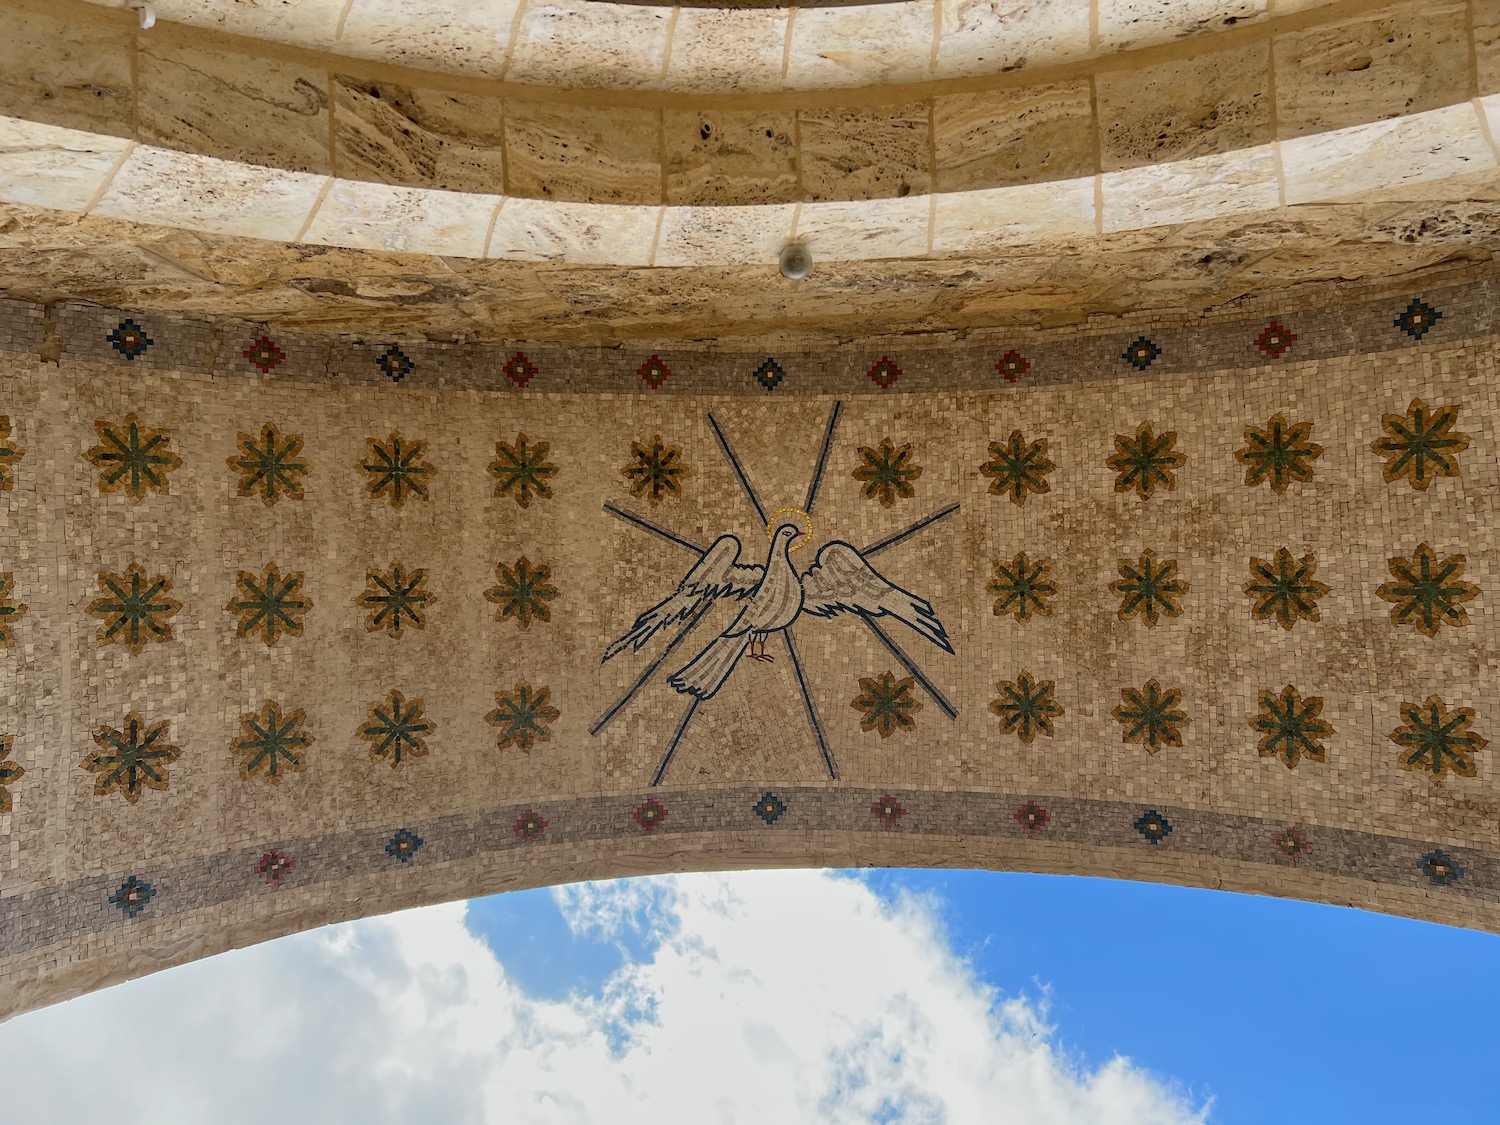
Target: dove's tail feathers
x=922 y=618
x=711 y=667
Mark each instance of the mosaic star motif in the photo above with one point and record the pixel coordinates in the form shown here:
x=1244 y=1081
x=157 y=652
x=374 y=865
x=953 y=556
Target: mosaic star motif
x=129 y=339
x=1418 y=318
x=529 y=825
x=884 y=374
x=132 y=758
x=271 y=743
x=1153 y=827
x=1149 y=589
x=270 y=467
x=1026 y=707
x=1291 y=844
x=1018 y=467
x=11 y=611
x=396 y=730
x=274 y=866
x=655 y=470
x=132 y=458
x=1151 y=717
x=1283 y=587
x=770 y=808
x=650 y=813
x=887 y=472
x=522 y=470
x=1022 y=587
x=10 y=772
x=1291 y=728
x=270 y=604
x=1440 y=868
x=403 y=844
x=134 y=608
x=1421 y=444
x=769 y=374
x=654 y=372
x=264 y=355
x=1032 y=817
x=886 y=704
x=132 y=896
x=1435 y=739
x=887 y=810
x=523 y=715
x=1275 y=340
x=1278 y=454
x=395 y=599
x=395 y=364
x=1141 y=353
x=10 y=456
x=522 y=592
x=1146 y=462
x=1012 y=366
x=395 y=469
x=520 y=370
x=1427 y=593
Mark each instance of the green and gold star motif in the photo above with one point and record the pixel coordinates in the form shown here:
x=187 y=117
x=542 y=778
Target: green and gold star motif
x=1146 y=462
x=395 y=469
x=1428 y=593
x=270 y=604
x=886 y=704
x=523 y=715
x=886 y=472
x=269 y=466
x=1435 y=739
x=655 y=471
x=522 y=470
x=1149 y=589
x=1018 y=467
x=10 y=456
x=1278 y=454
x=396 y=730
x=1291 y=727
x=1283 y=587
x=395 y=599
x=131 y=759
x=134 y=608
x=271 y=743
x=132 y=458
x=1022 y=588
x=1026 y=707
x=1151 y=717
x=1420 y=445
x=522 y=592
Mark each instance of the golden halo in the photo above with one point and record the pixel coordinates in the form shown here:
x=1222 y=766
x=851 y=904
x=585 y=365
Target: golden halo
x=806 y=536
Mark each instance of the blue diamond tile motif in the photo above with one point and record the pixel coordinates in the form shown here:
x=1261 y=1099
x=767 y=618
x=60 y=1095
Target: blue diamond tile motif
x=130 y=339
x=1418 y=318
x=770 y=808
x=769 y=374
x=403 y=845
x=1441 y=868
x=133 y=895
x=1141 y=353
x=1153 y=826
x=395 y=364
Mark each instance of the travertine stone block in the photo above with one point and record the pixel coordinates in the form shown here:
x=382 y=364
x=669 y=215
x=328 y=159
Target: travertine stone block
x=1487 y=45
x=580 y=43
x=381 y=217
x=861 y=46
x=1214 y=102
x=856 y=231
x=458 y=36
x=419 y=137
x=1403 y=59
x=49 y=166
x=993 y=138
x=730 y=156
x=991 y=36
x=1128 y=24
x=738 y=235
x=232 y=105
x=1188 y=190
x=994 y=218
x=57 y=74
x=719 y=51
x=879 y=152
x=531 y=230
x=583 y=154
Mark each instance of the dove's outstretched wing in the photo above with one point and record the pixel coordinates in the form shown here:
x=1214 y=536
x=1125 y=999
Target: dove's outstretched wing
x=840 y=581
x=718 y=574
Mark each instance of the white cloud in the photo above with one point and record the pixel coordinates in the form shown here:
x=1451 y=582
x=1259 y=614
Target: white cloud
x=780 y=997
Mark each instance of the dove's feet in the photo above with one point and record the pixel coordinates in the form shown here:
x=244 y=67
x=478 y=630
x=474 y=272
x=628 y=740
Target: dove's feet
x=761 y=656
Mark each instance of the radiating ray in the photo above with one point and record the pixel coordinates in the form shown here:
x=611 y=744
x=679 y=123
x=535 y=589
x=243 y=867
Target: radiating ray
x=812 y=711
x=738 y=469
x=902 y=536
x=676 y=738
x=817 y=477
x=654 y=529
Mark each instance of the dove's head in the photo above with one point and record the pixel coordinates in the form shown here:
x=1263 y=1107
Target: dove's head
x=785 y=532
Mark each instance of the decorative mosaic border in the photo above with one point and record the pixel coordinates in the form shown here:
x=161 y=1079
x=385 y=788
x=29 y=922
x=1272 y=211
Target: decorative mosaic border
x=34 y=919
x=1034 y=357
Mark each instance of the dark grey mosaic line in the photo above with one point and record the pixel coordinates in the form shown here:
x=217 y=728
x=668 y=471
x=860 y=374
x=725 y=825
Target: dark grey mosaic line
x=33 y=919
x=225 y=350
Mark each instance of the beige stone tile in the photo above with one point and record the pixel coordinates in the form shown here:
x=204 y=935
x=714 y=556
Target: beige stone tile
x=730 y=156
x=583 y=154
x=990 y=36
x=1385 y=154
x=539 y=230
x=1487 y=45
x=1402 y=59
x=49 y=166
x=76 y=76
x=422 y=137
x=868 y=45
x=412 y=220
x=693 y=236
x=580 y=43
x=181 y=189
x=995 y=137
x=726 y=50
x=1186 y=190
x=865 y=153
x=458 y=36
x=232 y=105
x=969 y=222
x=306 y=23
x=1174 y=110
x=854 y=231
x=1128 y=24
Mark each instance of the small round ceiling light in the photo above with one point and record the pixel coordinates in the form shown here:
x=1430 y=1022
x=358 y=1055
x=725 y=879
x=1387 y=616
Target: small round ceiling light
x=795 y=262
